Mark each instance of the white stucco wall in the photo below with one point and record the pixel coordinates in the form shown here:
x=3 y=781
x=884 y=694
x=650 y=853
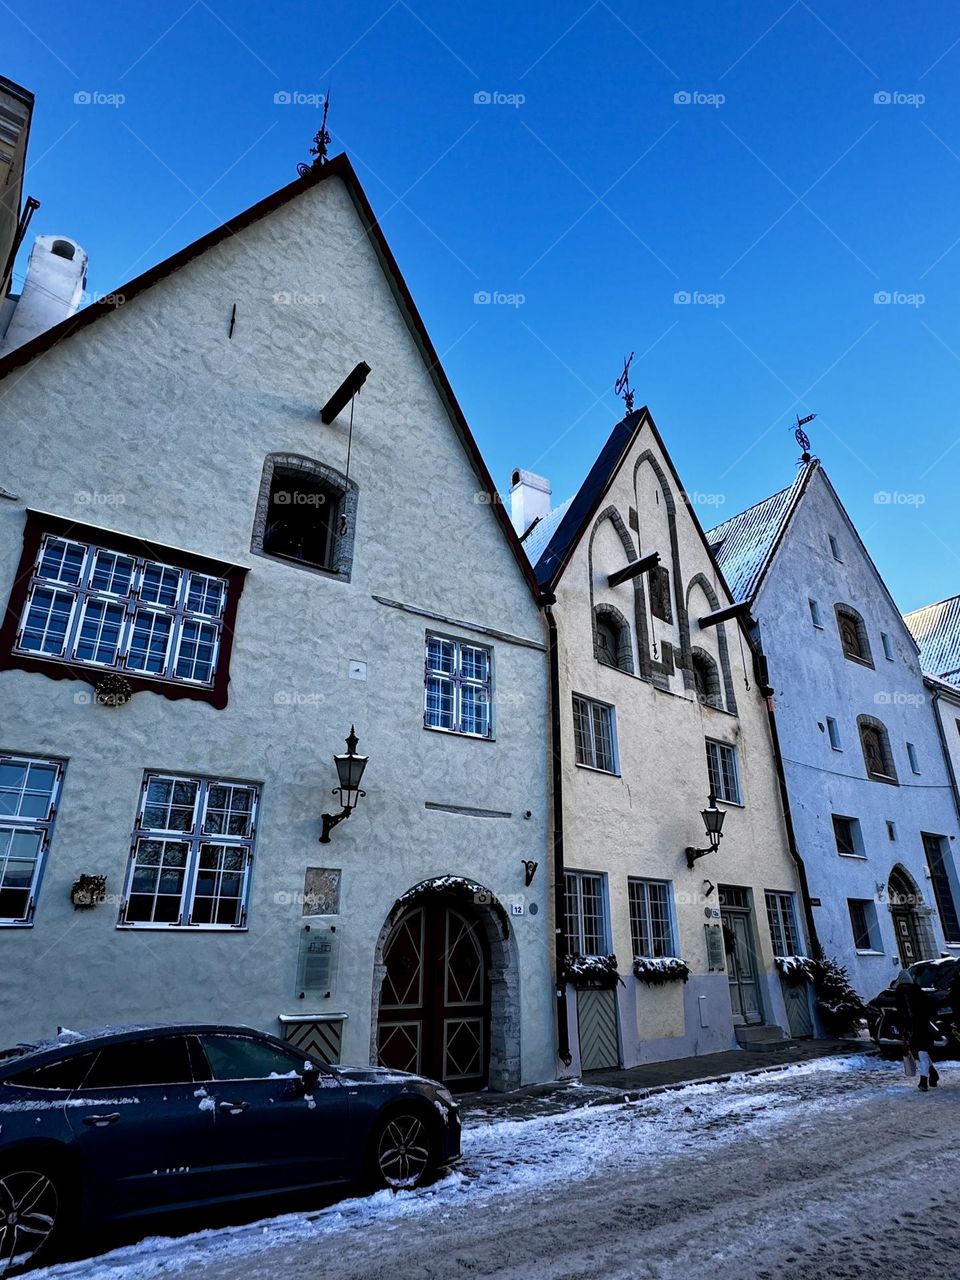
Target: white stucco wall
x=814 y=680
x=640 y=823
x=152 y=422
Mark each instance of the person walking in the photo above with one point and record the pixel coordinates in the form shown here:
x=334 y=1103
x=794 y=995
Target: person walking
x=916 y=1026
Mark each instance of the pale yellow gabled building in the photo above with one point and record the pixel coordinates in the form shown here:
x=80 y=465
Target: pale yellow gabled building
x=658 y=701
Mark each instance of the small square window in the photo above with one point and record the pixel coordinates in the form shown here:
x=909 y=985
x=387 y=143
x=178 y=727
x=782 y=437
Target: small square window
x=833 y=732
x=887 y=646
x=458 y=687
x=848 y=836
x=595 y=735
x=835 y=548
x=723 y=773
x=815 y=614
x=913 y=758
x=863 y=921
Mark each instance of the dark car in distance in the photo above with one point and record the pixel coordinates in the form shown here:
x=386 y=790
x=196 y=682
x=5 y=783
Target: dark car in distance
x=101 y=1127
x=936 y=977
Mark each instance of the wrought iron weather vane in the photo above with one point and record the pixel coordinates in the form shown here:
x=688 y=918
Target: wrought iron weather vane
x=321 y=141
x=622 y=385
x=801 y=437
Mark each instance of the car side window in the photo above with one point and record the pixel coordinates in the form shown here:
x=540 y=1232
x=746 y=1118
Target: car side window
x=243 y=1058
x=164 y=1060
x=69 y=1073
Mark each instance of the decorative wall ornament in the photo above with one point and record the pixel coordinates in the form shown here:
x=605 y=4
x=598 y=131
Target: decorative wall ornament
x=113 y=691
x=88 y=892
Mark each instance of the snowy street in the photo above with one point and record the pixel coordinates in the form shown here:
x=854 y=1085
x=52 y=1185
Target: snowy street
x=838 y=1167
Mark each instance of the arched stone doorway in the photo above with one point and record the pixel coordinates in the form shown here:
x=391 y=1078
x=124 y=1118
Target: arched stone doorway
x=910 y=918
x=446 y=987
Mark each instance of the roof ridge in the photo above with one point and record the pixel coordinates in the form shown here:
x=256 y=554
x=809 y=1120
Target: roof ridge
x=932 y=605
x=753 y=506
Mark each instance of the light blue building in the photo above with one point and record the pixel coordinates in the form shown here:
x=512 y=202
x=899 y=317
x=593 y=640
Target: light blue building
x=871 y=794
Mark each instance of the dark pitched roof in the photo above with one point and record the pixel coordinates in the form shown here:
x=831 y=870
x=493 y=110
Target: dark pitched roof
x=579 y=510
x=338 y=167
x=936 y=629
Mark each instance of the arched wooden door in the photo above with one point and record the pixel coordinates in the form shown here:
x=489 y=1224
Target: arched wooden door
x=434 y=1015
x=906 y=922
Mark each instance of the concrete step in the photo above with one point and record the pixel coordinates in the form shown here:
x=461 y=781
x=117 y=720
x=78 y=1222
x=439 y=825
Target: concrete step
x=762 y=1039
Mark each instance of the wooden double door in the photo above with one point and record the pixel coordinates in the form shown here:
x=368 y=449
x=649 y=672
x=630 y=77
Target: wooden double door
x=434 y=1016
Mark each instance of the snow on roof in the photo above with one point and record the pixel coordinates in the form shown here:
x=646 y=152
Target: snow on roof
x=539 y=536
x=742 y=545
x=936 y=629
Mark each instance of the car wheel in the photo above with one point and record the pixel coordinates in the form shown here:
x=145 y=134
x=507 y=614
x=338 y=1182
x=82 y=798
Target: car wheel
x=33 y=1212
x=402 y=1150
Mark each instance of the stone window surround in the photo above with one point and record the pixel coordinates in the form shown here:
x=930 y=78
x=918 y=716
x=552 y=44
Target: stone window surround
x=294 y=464
x=842 y=610
x=711 y=678
x=871 y=722
x=612 y=616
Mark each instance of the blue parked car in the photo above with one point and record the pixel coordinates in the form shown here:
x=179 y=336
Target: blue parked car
x=117 y=1124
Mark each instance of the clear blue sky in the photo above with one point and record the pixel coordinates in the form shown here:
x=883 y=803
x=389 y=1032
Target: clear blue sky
x=598 y=198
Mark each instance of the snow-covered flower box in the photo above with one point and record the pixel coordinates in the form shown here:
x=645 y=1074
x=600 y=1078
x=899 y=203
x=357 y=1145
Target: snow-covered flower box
x=795 y=970
x=591 y=971
x=655 y=973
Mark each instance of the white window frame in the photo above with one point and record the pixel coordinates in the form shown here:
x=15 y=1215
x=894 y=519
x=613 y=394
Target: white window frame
x=815 y=615
x=835 y=548
x=197 y=839
x=457 y=682
x=782 y=921
x=873 y=926
x=722 y=747
x=592 y=704
x=856 y=836
x=833 y=733
x=913 y=758
x=137 y=601
x=575 y=880
x=887 y=645
x=642 y=920
x=42 y=828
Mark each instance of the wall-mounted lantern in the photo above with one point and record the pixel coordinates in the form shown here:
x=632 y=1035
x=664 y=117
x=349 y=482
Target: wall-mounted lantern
x=350 y=769
x=713 y=824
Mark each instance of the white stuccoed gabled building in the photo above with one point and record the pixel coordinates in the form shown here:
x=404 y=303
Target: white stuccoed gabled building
x=208 y=583
x=656 y=704
x=870 y=791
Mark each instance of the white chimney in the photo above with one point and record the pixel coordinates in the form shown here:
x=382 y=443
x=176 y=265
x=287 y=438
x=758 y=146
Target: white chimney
x=529 y=499
x=52 y=290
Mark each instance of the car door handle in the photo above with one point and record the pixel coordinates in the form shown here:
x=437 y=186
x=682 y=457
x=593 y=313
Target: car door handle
x=234 y=1108
x=101 y=1122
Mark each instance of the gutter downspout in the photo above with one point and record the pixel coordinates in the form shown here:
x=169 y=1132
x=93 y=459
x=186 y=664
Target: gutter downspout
x=559 y=897
x=763 y=678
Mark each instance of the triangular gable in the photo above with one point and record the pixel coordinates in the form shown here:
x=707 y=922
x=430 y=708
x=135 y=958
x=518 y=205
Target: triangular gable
x=338 y=167
x=581 y=510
